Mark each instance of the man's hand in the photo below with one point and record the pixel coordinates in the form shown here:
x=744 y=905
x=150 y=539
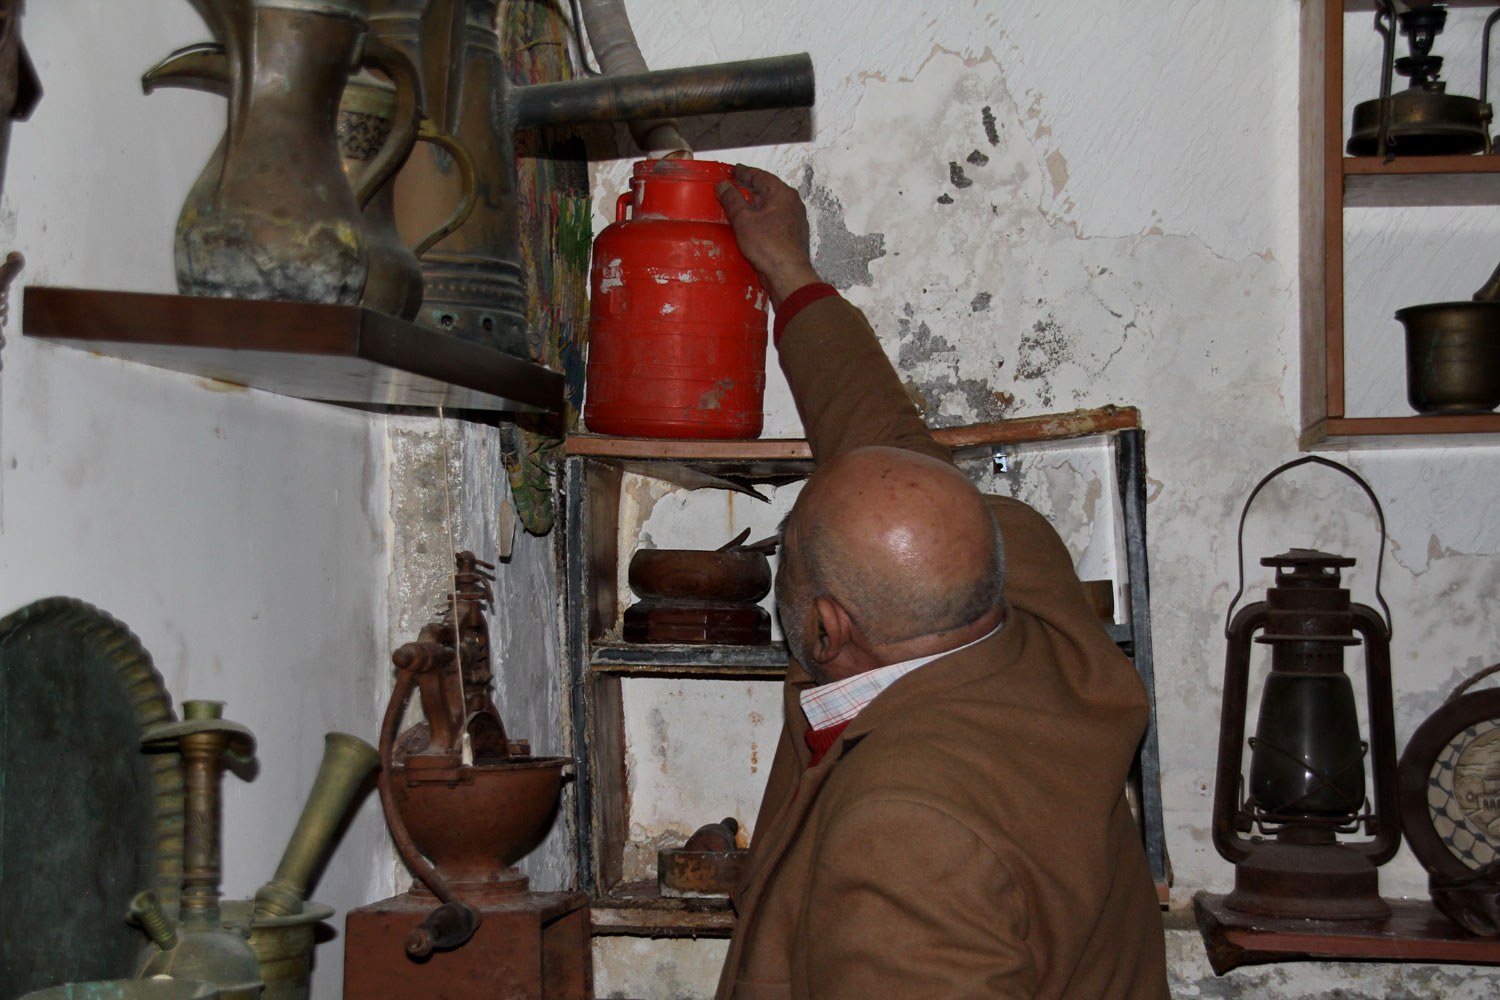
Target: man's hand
x=771 y=228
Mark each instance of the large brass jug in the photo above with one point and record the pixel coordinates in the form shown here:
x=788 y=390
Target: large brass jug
x=272 y=216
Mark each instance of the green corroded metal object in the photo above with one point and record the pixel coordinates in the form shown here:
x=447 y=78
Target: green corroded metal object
x=86 y=820
x=129 y=989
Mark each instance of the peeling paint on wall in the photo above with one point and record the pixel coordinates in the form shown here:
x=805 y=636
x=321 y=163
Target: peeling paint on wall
x=1110 y=247
x=840 y=256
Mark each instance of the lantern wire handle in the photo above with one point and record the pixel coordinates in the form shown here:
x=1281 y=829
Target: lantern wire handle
x=1245 y=512
x=1481 y=675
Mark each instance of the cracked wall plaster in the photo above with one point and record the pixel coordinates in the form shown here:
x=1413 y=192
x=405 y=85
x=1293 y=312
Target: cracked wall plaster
x=1129 y=235
x=523 y=625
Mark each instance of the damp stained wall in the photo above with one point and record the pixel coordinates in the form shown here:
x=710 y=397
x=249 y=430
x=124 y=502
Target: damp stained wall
x=1050 y=206
x=242 y=536
x=269 y=552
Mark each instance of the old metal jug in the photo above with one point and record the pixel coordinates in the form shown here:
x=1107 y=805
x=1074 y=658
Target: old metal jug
x=376 y=127
x=475 y=287
x=368 y=113
x=271 y=216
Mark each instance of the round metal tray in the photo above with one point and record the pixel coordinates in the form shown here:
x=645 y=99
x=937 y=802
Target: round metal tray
x=86 y=819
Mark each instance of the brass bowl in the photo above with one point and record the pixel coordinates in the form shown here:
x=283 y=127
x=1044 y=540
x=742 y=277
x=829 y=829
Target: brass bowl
x=701 y=575
x=1452 y=356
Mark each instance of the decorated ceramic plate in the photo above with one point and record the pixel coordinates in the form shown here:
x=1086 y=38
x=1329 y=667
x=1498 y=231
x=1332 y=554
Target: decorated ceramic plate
x=1450 y=786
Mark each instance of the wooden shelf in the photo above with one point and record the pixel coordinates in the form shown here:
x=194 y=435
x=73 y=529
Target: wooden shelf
x=683 y=660
x=1330 y=183
x=309 y=350
x=1420 y=431
x=638 y=908
x=1018 y=430
x=1421 y=180
x=1414 y=932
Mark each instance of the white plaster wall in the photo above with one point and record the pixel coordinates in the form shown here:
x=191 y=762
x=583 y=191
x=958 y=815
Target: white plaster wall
x=1126 y=234
x=241 y=535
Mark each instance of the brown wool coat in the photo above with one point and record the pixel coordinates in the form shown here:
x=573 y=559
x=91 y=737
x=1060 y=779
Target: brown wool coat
x=968 y=836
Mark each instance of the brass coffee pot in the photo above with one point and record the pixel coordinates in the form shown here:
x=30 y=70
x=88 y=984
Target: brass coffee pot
x=378 y=123
x=271 y=215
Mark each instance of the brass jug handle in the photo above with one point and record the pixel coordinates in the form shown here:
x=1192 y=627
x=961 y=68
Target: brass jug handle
x=404 y=122
x=428 y=131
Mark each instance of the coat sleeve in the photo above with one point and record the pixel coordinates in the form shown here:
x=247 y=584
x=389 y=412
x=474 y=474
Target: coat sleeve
x=906 y=902
x=847 y=393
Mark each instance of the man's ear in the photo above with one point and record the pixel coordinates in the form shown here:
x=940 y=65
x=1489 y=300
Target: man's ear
x=835 y=630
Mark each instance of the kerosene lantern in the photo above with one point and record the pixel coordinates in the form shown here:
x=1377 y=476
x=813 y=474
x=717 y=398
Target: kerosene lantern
x=1424 y=119
x=1285 y=828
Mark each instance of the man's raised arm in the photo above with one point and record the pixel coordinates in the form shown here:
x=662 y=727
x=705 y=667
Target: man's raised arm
x=846 y=391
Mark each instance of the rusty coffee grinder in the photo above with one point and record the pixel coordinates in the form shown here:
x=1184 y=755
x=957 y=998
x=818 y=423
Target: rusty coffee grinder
x=1306 y=786
x=464 y=802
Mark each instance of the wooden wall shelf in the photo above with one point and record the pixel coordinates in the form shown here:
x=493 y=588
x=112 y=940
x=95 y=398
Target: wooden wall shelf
x=638 y=909
x=309 y=350
x=1331 y=183
x=599 y=663
x=1415 y=932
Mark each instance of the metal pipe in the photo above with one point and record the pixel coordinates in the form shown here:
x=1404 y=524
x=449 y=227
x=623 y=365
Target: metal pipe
x=748 y=85
x=619 y=54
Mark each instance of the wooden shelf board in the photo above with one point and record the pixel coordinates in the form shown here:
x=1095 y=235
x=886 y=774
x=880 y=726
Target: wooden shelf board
x=684 y=660
x=1421 y=180
x=1019 y=430
x=638 y=908
x=1414 y=932
x=308 y=350
x=1362 y=6
x=1413 y=431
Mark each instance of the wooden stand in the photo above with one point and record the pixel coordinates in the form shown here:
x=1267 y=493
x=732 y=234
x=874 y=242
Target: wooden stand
x=1414 y=932
x=534 y=947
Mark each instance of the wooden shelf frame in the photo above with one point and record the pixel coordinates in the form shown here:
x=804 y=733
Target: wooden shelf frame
x=1329 y=182
x=598 y=661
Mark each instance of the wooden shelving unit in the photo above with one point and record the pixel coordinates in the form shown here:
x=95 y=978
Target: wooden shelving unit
x=309 y=350
x=1331 y=182
x=599 y=661
x=1414 y=932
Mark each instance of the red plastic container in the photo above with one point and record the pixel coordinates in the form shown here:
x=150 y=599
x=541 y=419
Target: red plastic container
x=677 y=317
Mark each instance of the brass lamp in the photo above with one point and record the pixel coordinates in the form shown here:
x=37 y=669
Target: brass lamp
x=1306 y=789
x=1424 y=119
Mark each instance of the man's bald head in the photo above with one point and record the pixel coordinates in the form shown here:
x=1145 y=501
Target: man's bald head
x=903 y=541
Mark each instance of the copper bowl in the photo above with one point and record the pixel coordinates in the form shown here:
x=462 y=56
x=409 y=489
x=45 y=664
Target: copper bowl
x=475 y=829
x=736 y=574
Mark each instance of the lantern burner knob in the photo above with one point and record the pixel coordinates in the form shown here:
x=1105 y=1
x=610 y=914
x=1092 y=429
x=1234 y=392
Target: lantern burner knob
x=1307 y=568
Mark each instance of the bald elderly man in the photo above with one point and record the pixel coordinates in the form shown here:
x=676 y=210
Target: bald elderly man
x=945 y=817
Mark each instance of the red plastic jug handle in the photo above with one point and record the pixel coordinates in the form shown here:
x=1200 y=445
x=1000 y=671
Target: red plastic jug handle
x=622 y=203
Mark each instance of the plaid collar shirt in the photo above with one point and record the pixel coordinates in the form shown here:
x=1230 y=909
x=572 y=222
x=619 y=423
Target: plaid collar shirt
x=839 y=702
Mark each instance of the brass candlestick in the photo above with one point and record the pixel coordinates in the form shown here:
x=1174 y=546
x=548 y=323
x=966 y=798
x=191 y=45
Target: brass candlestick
x=200 y=947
